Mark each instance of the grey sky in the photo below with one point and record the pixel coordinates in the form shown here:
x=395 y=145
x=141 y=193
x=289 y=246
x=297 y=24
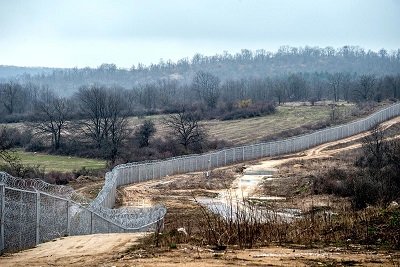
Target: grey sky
x=82 y=33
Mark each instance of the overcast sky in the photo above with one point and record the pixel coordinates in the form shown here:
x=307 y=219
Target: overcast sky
x=69 y=33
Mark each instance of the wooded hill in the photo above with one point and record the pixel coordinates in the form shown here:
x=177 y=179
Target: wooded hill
x=246 y=64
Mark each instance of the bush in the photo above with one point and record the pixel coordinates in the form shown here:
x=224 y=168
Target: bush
x=59 y=178
x=36 y=145
x=24 y=171
x=335 y=181
x=250 y=111
x=12 y=137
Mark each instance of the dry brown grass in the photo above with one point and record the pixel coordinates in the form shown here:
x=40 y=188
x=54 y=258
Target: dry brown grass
x=252 y=130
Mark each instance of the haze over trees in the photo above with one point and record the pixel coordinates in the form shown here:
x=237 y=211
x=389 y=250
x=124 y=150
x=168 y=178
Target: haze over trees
x=94 y=103
x=244 y=64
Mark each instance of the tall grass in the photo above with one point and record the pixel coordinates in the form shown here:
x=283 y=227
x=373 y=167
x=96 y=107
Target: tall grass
x=250 y=225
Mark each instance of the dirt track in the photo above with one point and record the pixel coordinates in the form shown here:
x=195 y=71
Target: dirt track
x=108 y=249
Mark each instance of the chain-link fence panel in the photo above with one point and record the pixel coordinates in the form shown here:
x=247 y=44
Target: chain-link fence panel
x=53 y=217
x=19 y=219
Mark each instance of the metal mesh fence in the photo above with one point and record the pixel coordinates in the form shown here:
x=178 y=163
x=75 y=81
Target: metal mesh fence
x=144 y=171
x=29 y=216
x=33 y=211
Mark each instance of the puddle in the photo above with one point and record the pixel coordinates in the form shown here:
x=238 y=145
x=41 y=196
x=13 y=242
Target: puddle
x=275 y=178
x=233 y=208
x=267 y=198
x=261 y=172
x=163 y=183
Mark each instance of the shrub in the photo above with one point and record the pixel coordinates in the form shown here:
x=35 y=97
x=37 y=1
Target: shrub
x=244 y=103
x=59 y=178
x=335 y=181
x=255 y=110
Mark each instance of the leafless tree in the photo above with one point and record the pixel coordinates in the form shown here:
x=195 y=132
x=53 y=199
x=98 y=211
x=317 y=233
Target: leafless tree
x=10 y=95
x=118 y=123
x=206 y=85
x=186 y=129
x=365 y=88
x=335 y=81
x=392 y=84
x=93 y=107
x=280 y=90
x=53 y=118
x=297 y=87
x=105 y=113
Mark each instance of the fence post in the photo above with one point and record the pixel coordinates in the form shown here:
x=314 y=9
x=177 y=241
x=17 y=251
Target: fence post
x=2 y=216
x=138 y=167
x=37 y=217
x=91 y=222
x=68 y=217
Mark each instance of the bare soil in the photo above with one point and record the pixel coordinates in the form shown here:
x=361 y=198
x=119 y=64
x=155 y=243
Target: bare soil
x=177 y=193
x=113 y=250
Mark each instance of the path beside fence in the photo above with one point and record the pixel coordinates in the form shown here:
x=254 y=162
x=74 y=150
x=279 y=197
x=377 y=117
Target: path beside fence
x=143 y=171
x=29 y=217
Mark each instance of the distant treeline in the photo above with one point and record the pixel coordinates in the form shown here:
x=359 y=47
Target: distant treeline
x=210 y=96
x=247 y=64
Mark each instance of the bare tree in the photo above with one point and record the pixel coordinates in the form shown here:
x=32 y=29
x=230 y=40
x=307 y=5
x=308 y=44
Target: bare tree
x=335 y=81
x=52 y=118
x=105 y=112
x=280 y=90
x=365 y=89
x=186 y=129
x=392 y=84
x=93 y=107
x=10 y=95
x=206 y=85
x=375 y=148
x=118 y=123
x=297 y=87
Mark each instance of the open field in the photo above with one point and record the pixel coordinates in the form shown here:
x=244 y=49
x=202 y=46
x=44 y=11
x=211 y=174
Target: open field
x=252 y=130
x=59 y=163
x=256 y=129
x=238 y=132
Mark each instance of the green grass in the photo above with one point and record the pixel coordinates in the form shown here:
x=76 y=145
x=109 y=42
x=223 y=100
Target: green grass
x=238 y=132
x=59 y=163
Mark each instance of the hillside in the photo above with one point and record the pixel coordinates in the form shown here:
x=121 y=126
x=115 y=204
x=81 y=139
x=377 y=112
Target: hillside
x=246 y=64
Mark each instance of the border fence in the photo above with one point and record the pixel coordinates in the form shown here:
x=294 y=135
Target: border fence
x=32 y=211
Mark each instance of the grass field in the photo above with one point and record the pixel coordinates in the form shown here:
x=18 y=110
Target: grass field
x=237 y=132
x=252 y=130
x=256 y=129
x=59 y=163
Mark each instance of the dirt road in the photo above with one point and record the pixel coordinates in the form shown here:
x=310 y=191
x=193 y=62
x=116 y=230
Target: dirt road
x=88 y=250
x=109 y=249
